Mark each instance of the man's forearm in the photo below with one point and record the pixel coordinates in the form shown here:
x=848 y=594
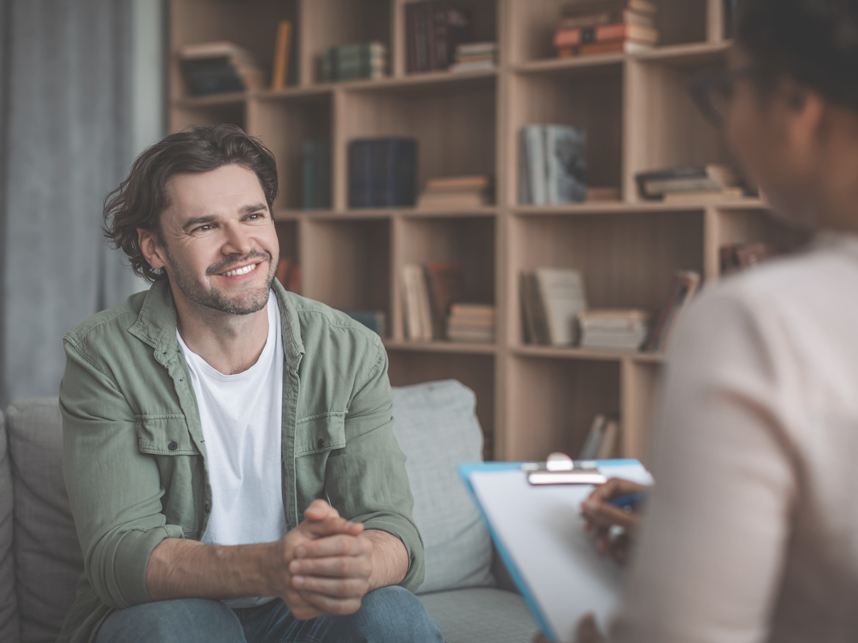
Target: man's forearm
x=189 y=569
x=389 y=559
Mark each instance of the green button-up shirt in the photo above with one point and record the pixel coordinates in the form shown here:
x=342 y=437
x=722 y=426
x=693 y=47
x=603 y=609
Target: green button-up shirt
x=134 y=454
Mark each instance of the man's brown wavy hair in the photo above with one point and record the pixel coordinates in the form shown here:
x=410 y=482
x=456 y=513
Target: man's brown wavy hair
x=141 y=198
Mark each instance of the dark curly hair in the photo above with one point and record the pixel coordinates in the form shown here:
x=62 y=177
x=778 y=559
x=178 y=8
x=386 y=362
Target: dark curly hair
x=141 y=198
x=813 y=41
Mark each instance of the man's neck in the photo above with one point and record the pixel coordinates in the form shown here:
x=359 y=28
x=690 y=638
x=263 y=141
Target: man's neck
x=228 y=343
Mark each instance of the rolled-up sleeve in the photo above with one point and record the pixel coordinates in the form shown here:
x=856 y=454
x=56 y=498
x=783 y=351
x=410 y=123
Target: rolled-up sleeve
x=114 y=490
x=367 y=480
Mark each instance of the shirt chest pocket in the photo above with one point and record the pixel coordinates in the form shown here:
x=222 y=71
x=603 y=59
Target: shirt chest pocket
x=320 y=434
x=165 y=435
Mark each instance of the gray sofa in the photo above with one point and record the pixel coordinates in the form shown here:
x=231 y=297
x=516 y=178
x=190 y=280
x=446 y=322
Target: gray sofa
x=40 y=560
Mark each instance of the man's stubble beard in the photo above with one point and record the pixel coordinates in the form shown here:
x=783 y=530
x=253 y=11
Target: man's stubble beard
x=214 y=299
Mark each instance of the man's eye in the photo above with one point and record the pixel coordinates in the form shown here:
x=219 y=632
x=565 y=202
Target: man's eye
x=203 y=228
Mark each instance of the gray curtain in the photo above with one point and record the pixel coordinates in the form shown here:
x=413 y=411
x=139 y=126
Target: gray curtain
x=66 y=140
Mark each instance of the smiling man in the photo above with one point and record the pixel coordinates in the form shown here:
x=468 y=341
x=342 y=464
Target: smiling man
x=228 y=446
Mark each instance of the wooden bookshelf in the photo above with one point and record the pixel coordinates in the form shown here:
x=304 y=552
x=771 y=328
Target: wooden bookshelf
x=638 y=115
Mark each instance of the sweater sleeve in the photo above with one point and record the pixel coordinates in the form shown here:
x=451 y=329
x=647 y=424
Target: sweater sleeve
x=710 y=559
x=114 y=490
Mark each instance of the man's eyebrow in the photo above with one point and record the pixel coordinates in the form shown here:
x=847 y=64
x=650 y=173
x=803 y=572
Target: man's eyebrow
x=191 y=223
x=247 y=209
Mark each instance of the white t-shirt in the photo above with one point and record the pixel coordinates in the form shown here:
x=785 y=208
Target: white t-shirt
x=240 y=416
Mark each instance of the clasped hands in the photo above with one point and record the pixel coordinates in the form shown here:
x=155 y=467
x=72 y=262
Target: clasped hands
x=324 y=565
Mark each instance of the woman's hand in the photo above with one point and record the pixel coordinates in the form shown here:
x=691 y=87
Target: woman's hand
x=612 y=526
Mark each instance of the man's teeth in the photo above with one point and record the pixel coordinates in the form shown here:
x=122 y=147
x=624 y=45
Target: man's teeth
x=240 y=271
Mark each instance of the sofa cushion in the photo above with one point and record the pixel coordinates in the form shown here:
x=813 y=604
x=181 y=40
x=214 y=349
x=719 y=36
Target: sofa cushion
x=481 y=614
x=8 y=602
x=437 y=428
x=47 y=552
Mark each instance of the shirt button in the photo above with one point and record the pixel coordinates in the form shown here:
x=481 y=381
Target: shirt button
x=172 y=446
x=321 y=443
x=208 y=507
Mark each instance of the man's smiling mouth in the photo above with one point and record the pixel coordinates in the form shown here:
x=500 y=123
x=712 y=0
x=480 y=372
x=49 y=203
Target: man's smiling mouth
x=240 y=271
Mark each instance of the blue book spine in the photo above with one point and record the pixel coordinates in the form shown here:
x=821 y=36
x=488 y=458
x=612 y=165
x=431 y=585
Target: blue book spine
x=395 y=172
x=361 y=171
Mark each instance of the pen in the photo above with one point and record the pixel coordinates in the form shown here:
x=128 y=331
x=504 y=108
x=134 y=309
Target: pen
x=629 y=501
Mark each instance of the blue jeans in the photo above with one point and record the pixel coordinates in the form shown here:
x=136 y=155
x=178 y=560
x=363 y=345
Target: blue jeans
x=387 y=615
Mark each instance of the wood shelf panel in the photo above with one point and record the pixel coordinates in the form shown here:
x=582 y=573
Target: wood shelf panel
x=529 y=350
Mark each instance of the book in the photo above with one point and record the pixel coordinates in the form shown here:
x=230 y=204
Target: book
x=316 y=179
x=617 y=16
x=280 y=67
x=471 y=66
x=593 y=441
x=610 y=440
x=656 y=184
x=452 y=200
x=215 y=49
x=561 y=292
x=614 y=329
x=534 y=311
x=456 y=333
x=382 y=172
x=434 y=29
x=590 y=7
x=620 y=47
x=465 y=309
x=727 y=194
x=375 y=320
x=359 y=61
x=471 y=322
x=446 y=286
x=205 y=76
x=685 y=284
x=605 y=33
x=455 y=192
x=532 y=142
x=566 y=164
x=476 y=48
x=416 y=306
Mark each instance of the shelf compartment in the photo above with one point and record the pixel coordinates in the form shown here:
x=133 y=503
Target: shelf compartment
x=533 y=24
x=477 y=372
x=626 y=260
x=252 y=25
x=334 y=23
x=288 y=236
x=346 y=264
x=592 y=102
x=284 y=124
x=454 y=126
x=554 y=404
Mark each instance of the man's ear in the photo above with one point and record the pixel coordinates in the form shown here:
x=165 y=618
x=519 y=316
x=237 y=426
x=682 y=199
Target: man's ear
x=806 y=112
x=151 y=249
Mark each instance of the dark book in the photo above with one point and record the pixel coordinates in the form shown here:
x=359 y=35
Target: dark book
x=698 y=178
x=382 y=172
x=446 y=287
x=317 y=175
x=411 y=37
x=685 y=284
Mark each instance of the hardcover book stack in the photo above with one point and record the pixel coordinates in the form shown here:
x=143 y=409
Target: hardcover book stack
x=589 y=27
x=433 y=31
x=685 y=284
x=551 y=300
x=354 y=62
x=455 y=192
x=316 y=175
x=471 y=322
x=552 y=164
x=622 y=330
x=219 y=67
x=693 y=183
x=475 y=56
x=382 y=172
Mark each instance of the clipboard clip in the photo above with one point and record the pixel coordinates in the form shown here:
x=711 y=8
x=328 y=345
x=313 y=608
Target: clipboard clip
x=561 y=469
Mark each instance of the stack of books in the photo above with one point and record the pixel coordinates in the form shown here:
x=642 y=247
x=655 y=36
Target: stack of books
x=551 y=300
x=434 y=29
x=382 y=172
x=622 y=330
x=685 y=284
x=316 y=175
x=602 y=439
x=736 y=257
x=455 y=192
x=552 y=164
x=219 y=67
x=475 y=56
x=589 y=27
x=354 y=62
x=690 y=183
x=471 y=322
x=375 y=320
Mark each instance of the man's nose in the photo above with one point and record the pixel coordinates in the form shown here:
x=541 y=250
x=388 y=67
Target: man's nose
x=237 y=241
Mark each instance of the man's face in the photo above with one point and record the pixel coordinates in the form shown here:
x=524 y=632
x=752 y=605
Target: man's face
x=218 y=243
